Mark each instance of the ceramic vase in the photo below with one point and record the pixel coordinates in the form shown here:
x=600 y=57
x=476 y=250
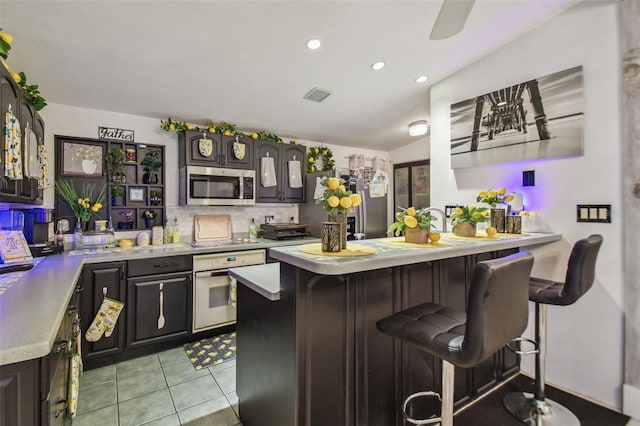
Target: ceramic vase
x=341 y=218
x=330 y=236
x=465 y=229
x=416 y=235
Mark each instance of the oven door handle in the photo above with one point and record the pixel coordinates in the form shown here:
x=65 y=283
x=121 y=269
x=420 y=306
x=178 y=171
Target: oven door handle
x=216 y=273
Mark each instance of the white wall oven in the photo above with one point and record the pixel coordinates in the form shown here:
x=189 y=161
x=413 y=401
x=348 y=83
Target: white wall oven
x=213 y=288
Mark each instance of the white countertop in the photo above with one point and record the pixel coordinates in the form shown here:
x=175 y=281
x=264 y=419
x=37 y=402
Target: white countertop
x=32 y=308
x=263 y=279
x=389 y=256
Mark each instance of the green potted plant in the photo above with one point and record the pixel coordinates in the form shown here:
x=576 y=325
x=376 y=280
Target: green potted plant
x=116 y=195
x=152 y=164
x=115 y=166
x=155 y=197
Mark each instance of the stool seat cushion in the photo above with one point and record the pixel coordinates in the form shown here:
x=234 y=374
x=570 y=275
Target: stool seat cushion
x=546 y=291
x=430 y=324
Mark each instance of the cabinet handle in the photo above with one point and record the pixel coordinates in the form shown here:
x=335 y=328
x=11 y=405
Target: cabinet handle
x=79 y=290
x=64 y=407
x=161 y=265
x=72 y=310
x=62 y=345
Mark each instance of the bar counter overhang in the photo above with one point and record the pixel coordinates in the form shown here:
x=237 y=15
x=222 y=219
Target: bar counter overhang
x=309 y=353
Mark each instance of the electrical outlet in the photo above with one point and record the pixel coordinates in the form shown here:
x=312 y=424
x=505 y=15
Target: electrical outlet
x=593 y=213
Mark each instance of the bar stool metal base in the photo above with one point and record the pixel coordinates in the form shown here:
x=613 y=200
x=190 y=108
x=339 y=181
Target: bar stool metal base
x=527 y=409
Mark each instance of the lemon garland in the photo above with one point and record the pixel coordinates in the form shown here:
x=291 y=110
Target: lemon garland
x=328 y=163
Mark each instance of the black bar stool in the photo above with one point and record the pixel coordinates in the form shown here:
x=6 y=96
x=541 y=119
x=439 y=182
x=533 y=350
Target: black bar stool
x=536 y=410
x=497 y=313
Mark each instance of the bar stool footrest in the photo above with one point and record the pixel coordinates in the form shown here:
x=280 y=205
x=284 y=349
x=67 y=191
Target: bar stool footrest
x=524 y=407
x=429 y=421
x=520 y=351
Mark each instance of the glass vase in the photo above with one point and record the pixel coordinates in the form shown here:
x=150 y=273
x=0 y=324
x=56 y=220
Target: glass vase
x=341 y=218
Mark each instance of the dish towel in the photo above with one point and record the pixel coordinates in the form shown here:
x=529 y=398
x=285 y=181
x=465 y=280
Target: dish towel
x=319 y=190
x=268 y=168
x=75 y=371
x=233 y=291
x=43 y=180
x=12 y=147
x=295 y=175
x=105 y=320
x=32 y=163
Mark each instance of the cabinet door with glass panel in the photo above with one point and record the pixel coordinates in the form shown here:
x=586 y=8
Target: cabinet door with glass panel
x=412 y=185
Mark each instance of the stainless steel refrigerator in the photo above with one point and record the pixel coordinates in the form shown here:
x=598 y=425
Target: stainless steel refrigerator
x=369 y=218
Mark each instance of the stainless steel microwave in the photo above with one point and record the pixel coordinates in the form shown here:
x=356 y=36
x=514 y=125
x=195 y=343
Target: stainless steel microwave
x=210 y=186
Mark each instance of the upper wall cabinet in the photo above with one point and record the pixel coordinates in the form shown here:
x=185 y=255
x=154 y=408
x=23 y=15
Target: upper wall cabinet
x=285 y=163
x=23 y=190
x=215 y=150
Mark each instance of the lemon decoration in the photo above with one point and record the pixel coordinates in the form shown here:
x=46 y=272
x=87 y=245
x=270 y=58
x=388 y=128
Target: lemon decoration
x=434 y=237
x=411 y=211
x=254 y=135
x=345 y=202
x=492 y=194
x=410 y=221
x=212 y=129
x=356 y=200
x=502 y=191
x=333 y=201
x=342 y=188
x=316 y=153
x=16 y=77
x=457 y=211
x=333 y=184
x=508 y=198
x=227 y=133
x=491 y=231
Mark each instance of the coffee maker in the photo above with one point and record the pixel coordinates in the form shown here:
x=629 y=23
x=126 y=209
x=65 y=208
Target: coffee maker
x=36 y=232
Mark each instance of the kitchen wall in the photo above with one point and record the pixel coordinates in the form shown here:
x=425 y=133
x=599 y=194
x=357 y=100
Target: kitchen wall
x=83 y=122
x=585 y=340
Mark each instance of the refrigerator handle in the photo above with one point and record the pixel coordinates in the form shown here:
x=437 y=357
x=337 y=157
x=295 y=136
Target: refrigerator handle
x=363 y=214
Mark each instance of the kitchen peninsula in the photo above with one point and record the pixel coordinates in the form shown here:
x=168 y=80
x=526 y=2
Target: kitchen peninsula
x=309 y=352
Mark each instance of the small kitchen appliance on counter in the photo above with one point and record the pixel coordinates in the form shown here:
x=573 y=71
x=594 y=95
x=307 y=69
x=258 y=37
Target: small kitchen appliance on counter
x=36 y=231
x=283 y=231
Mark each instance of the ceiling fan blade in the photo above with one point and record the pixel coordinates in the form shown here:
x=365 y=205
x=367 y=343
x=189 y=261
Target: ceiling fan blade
x=451 y=18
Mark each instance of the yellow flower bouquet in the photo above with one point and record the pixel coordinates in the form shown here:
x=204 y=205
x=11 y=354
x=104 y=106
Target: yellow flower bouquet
x=494 y=198
x=335 y=198
x=414 y=225
x=81 y=204
x=465 y=218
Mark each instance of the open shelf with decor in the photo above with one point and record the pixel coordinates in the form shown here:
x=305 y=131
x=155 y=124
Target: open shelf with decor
x=132 y=174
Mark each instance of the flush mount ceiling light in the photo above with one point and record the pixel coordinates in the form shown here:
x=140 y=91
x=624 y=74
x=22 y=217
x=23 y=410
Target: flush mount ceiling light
x=418 y=128
x=421 y=79
x=314 y=43
x=377 y=66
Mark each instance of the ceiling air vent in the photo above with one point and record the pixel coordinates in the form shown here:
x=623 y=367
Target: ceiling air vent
x=316 y=94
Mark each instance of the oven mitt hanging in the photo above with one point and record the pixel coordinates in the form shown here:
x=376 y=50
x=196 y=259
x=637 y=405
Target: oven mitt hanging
x=268 y=177
x=295 y=175
x=105 y=320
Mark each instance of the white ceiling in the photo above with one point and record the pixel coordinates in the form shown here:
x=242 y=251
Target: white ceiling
x=245 y=62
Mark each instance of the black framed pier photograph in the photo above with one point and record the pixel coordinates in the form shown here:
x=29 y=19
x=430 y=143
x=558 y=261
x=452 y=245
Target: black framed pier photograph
x=539 y=118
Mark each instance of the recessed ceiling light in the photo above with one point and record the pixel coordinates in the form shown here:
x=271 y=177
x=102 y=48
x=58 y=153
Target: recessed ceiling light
x=314 y=43
x=421 y=79
x=377 y=66
x=418 y=128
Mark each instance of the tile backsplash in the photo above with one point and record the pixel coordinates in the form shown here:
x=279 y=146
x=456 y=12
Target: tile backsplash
x=240 y=215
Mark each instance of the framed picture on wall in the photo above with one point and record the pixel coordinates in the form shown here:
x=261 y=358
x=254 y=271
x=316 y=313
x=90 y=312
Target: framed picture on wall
x=136 y=194
x=82 y=159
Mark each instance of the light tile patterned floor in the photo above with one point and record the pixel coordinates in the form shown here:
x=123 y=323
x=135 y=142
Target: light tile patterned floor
x=159 y=390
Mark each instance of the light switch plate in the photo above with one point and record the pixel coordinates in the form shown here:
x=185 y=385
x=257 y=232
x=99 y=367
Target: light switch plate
x=593 y=213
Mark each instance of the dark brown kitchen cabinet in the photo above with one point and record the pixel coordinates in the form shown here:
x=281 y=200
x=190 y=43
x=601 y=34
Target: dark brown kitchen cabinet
x=34 y=392
x=282 y=155
x=22 y=190
x=160 y=308
x=99 y=281
x=215 y=150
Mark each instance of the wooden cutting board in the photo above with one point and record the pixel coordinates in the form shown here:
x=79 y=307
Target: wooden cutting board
x=212 y=227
